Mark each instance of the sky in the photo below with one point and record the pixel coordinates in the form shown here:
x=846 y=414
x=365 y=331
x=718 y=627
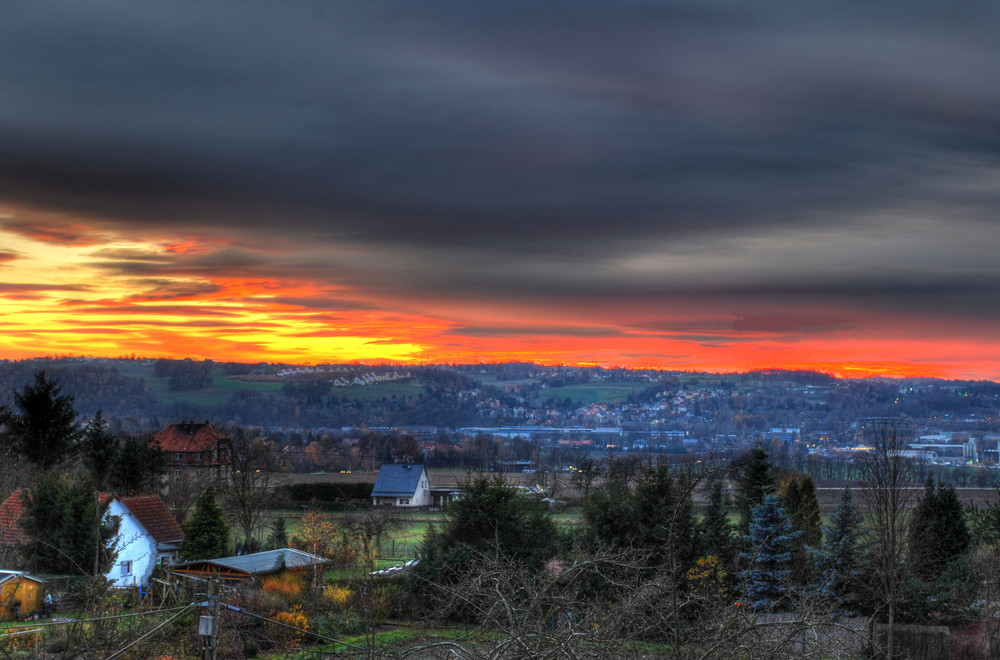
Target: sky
x=706 y=185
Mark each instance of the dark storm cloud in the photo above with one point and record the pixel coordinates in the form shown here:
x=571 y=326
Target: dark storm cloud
x=787 y=323
x=505 y=331
x=320 y=303
x=515 y=145
x=462 y=123
x=11 y=287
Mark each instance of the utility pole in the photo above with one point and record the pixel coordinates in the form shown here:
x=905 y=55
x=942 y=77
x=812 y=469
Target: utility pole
x=208 y=625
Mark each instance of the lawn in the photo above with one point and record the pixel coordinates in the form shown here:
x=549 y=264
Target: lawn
x=610 y=392
x=396 y=637
x=377 y=391
x=496 y=382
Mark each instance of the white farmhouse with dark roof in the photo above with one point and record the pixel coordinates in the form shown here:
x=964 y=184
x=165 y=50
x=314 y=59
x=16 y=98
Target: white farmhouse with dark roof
x=401 y=485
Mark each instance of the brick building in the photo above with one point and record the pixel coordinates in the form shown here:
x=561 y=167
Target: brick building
x=194 y=450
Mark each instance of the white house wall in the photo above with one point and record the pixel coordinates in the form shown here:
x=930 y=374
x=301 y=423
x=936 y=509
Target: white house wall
x=422 y=496
x=134 y=544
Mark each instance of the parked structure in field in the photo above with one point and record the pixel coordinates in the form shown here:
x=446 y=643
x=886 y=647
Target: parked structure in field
x=244 y=568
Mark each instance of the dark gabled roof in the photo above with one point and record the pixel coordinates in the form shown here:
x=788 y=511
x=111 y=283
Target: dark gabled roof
x=155 y=517
x=397 y=480
x=188 y=436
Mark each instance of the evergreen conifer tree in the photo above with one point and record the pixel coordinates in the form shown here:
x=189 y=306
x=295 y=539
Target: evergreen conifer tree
x=43 y=429
x=770 y=542
x=755 y=482
x=838 y=562
x=716 y=532
x=206 y=533
x=798 y=498
x=66 y=526
x=938 y=534
x=99 y=449
x=666 y=517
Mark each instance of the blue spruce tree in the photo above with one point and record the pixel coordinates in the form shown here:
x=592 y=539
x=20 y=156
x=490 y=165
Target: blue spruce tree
x=769 y=553
x=838 y=562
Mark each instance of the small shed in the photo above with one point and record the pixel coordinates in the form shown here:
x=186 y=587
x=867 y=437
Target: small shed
x=20 y=594
x=244 y=568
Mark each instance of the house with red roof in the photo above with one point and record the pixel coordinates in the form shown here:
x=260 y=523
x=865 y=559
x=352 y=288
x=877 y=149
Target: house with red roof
x=194 y=450
x=148 y=534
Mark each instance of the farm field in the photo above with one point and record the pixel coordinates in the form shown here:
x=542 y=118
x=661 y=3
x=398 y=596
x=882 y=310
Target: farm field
x=608 y=392
x=223 y=385
x=378 y=391
x=496 y=382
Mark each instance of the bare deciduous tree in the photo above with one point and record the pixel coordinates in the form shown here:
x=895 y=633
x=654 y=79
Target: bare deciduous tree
x=888 y=491
x=549 y=614
x=368 y=525
x=251 y=465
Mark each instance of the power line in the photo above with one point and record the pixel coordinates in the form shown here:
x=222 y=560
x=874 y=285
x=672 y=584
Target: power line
x=241 y=610
x=67 y=622
x=136 y=641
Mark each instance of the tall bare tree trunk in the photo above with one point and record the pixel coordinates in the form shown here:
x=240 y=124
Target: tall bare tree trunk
x=889 y=477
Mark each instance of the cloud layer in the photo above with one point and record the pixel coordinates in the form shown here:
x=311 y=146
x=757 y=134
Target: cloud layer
x=709 y=183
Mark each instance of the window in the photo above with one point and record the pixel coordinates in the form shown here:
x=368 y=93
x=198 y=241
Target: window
x=404 y=500
x=178 y=456
x=177 y=472
x=197 y=456
x=126 y=568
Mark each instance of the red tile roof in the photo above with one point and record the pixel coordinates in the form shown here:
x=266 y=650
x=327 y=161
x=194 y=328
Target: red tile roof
x=154 y=516
x=13 y=508
x=188 y=436
x=149 y=509
x=10 y=515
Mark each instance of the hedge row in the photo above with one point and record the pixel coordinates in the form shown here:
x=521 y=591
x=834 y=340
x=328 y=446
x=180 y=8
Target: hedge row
x=327 y=495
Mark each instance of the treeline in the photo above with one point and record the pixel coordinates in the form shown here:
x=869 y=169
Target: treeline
x=738 y=404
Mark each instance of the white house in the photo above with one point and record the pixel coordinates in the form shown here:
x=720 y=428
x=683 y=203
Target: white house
x=401 y=486
x=147 y=535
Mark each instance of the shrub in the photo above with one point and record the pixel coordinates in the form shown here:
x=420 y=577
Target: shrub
x=293 y=617
x=338 y=597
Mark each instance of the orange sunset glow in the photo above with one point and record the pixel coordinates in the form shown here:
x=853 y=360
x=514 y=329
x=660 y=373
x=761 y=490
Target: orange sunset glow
x=66 y=298
x=618 y=188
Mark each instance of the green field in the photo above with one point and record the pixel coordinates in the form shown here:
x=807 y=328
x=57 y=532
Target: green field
x=496 y=382
x=222 y=386
x=377 y=391
x=402 y=542
x=610 y=392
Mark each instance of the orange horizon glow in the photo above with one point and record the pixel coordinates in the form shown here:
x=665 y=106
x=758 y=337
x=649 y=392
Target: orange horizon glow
x=63 y=293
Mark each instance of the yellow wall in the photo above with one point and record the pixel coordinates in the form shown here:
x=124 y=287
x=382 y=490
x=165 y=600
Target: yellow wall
x=26 y=590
